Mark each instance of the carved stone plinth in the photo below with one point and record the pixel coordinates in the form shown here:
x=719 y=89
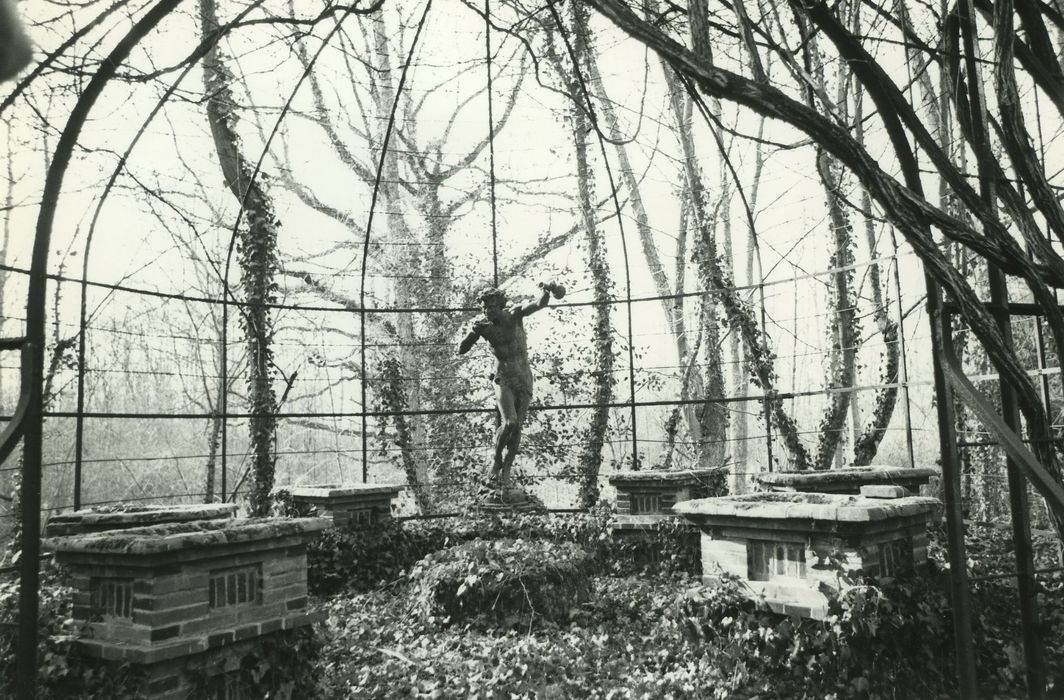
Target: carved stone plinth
x=646 y=497
x=353 y=505
x=191 y=595
x=510 y=500
x=785 y=545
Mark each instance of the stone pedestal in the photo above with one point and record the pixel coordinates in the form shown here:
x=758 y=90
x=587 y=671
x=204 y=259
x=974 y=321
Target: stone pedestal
x=127 y=515
x=175 y=598
x=846 y=480
x=355 y=505
x=785 y=545
x=510 y=500
x=646 y=497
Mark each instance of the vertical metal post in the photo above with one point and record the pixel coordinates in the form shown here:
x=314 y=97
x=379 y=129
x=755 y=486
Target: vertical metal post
x=768 y=433
x=960 y=600
x=1027 y=586
x=903 y=364
x=83 y=330
x=369 y=229
x=491 y=146
x=223 y=398
x=29 y=563
x=1043 y=377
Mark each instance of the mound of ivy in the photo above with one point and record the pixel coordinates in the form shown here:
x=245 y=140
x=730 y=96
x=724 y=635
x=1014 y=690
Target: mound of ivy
x=660 y=633
x=361 y=558
x=509 y=582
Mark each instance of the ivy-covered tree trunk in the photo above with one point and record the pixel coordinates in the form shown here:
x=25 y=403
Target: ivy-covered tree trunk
x=708 y=423
x=842 y=358
x=393 y=399
x=602 y=333
x=711 y=416
x=713 y=276
x=866 y=444
x=257 y=256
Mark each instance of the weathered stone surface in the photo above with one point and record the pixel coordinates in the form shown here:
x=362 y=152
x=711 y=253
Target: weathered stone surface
x=804 y=506
x=331 y=491
x=349 y=505
x=186 y=535
x=847 y=480
x=124 y=516
x=674 y=478
x=883 y=491
x=645 y=498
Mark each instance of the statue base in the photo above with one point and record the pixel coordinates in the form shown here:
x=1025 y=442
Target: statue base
x=508 y=500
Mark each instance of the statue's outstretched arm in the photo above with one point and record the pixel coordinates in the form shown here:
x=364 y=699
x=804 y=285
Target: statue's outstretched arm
x=549 y=289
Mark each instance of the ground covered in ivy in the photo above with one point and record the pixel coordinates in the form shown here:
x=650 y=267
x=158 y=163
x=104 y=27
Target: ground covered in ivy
x=556 y=607
x=638 y=624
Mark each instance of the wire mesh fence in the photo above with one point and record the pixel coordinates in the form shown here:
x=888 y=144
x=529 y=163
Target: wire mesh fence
x=151 y=415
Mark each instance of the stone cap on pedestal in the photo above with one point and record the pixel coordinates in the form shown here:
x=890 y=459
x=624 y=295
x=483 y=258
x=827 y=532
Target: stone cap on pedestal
x=673 y=477
x=804 y=506
x=124 y=516
x=202 y=534
x=330 y=491
x=848 y=478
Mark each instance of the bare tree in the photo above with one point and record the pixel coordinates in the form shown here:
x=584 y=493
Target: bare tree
x=257 y=251
x=904 y=204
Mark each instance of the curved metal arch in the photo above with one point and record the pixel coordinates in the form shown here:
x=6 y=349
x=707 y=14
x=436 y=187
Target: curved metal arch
x=33 y=359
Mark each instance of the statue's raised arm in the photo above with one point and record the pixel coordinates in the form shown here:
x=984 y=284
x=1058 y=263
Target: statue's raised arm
x=549 y=289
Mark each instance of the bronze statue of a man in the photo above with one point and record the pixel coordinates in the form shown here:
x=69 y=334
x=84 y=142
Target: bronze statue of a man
x=503 y=328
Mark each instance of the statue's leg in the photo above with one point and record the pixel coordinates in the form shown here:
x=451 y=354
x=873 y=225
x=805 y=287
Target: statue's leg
x=508 y=414
x=521 y=401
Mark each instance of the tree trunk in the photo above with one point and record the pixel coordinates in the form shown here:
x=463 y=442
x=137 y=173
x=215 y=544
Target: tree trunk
x=740 y=317
x=866 y=444
x=842 y=358
x=257 y=255
x=591 y=455
x=707 y=424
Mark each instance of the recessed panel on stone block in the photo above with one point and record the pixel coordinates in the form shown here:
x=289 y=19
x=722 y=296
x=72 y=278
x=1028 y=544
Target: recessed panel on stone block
x=848 y=480
x=355 y=505
x=785 y=546
x=123 y=516
x=191 y=590
x=646 y=497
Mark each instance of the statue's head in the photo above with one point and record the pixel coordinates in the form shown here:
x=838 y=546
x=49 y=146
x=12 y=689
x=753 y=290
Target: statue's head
x=493 y=301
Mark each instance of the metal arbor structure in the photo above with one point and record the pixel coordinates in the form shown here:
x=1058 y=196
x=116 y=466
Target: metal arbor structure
x=26 y=424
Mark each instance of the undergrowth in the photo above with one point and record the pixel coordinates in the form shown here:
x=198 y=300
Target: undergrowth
x=362 y=559
x=556 y=607
x=649 y=630
x=512 y=583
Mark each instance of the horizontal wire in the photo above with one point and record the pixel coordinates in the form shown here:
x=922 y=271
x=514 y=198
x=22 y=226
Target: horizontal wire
x=782 y=396
x=352 y=308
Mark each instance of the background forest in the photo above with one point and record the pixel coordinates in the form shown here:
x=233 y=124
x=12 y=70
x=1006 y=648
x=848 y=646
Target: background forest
x=284 y=213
